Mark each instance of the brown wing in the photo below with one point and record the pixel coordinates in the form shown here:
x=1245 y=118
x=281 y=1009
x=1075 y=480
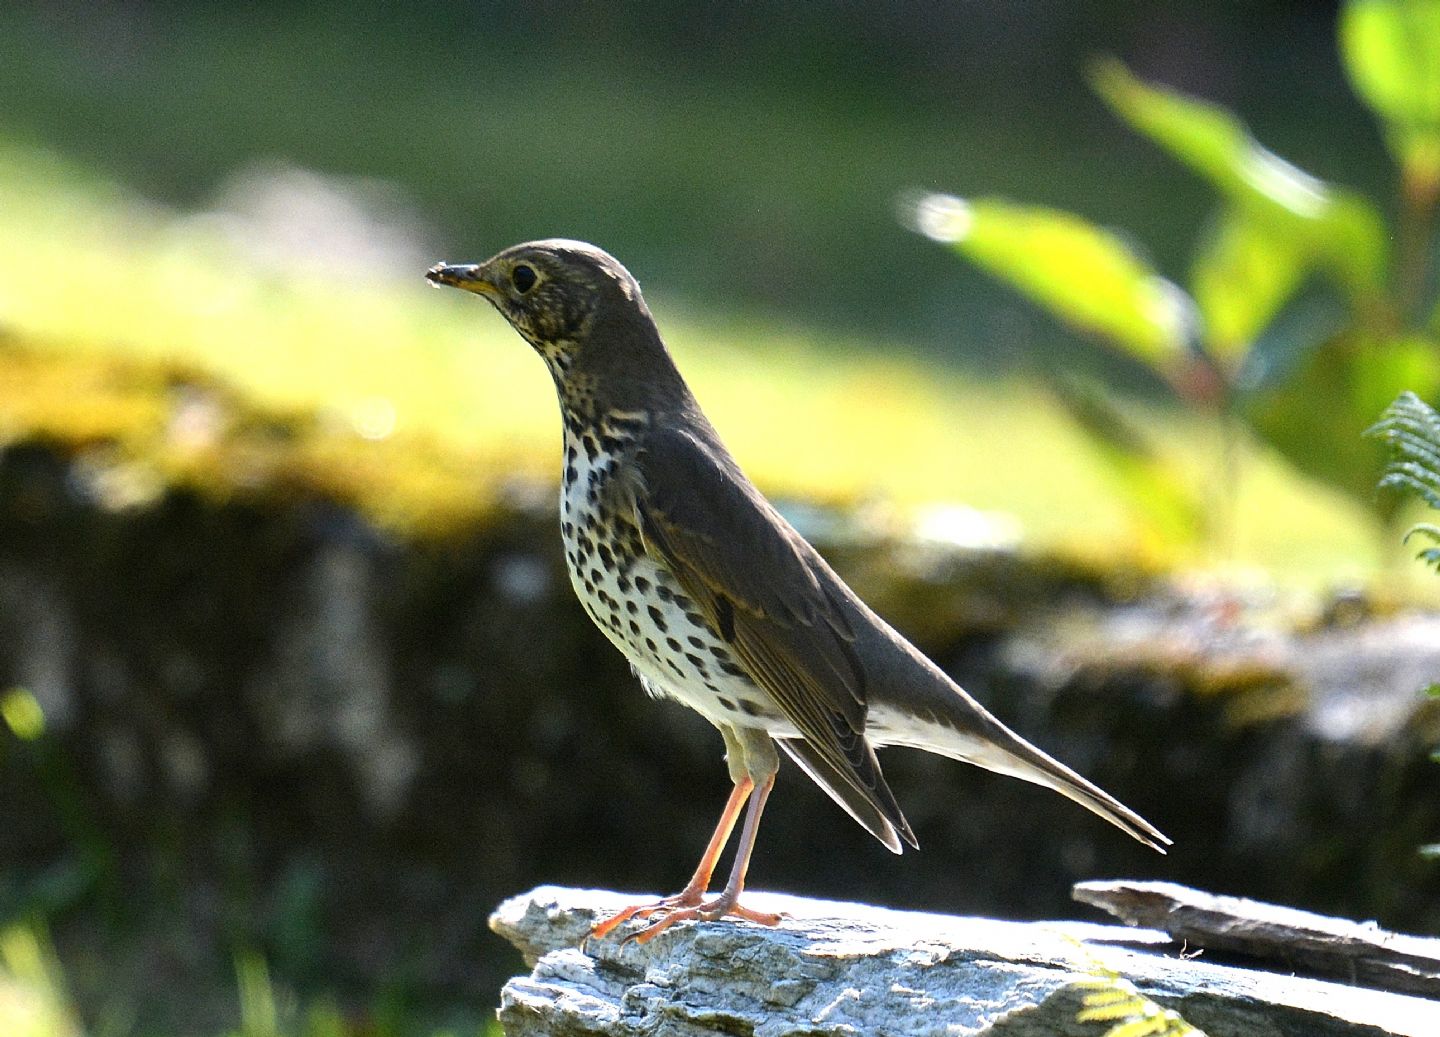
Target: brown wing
x=771 y=597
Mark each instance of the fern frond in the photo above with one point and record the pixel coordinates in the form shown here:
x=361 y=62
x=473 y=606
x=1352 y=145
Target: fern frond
x=1113 y=999
x=1428 y=555
x=1411 y=430
x=1424 y=529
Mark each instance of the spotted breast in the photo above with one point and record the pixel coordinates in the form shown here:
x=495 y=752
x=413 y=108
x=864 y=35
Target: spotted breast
x=634 y=599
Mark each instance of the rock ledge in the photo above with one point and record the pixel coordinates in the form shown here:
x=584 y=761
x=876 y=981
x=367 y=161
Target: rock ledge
x=837 y=968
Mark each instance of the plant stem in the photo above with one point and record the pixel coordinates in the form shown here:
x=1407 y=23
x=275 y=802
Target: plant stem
x=1419 y=192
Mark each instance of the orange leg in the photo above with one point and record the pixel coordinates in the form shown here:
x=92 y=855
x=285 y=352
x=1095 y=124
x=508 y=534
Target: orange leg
x=728 y=902
x=695 y=889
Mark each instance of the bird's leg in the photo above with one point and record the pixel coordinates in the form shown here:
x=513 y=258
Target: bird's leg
x=695 y=889
x=727 y=904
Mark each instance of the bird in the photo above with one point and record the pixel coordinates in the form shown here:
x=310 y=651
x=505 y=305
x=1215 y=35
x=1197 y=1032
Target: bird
x=714 y=597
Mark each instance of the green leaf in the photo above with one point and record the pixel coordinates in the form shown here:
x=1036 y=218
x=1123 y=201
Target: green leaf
x=1085 y=275
x=22 y=714
x=1242 y=275
x=1169 y=507
x=1337 y=229
x=1433 y=691
x=1392 y=52
x=1318 y=418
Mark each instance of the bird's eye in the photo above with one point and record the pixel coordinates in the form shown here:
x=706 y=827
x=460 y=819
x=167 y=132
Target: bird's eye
x=523 y=278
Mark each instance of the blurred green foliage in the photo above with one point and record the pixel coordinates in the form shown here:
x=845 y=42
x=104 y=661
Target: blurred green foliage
x=191 y=363
x=22 y=714
x=1082 y=272
x=35 y=1002
x=1392 y=52
x=33 y=998
x=1299 y=322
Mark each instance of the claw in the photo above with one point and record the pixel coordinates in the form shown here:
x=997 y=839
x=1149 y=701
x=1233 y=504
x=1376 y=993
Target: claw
x=723 y=906
x=680 y=901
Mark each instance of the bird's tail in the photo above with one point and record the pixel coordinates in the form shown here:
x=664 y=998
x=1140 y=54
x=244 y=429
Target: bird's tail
x=913 y=702
x=971 y=734
x=1014 y=756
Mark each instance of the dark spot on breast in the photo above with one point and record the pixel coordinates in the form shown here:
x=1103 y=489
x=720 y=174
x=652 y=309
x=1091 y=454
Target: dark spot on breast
x=674 y=644
x=749 y=708
x=623 y=582
x=664 y=592
x=642 y=585
x=631 y=607
x=676 y=667
x=657 y=617
x=568 y=528
x=698 y=663
x=696 y=620
x=695 y=642
x=650 y=644
x=682 y=602
x=570 y=474
x=634 y=626
x=606 y=558
x=732 y=669
x=726 y=704
x=592 y=449
x=595 y=575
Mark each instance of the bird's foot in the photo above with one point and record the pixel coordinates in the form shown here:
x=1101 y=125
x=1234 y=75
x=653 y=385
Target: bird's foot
x=684 y=900
x=726 y=905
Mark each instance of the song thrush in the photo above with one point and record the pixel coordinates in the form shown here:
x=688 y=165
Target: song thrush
x=711 y=594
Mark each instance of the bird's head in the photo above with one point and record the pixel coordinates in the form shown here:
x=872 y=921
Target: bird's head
x=555 y=293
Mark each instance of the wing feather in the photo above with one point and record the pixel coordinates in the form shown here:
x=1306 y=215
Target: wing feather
x=771 y=597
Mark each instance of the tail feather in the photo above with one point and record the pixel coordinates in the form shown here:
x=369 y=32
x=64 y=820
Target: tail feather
x=889 y=825
x=1022 y=760
x=913 y=702
x=987 y=743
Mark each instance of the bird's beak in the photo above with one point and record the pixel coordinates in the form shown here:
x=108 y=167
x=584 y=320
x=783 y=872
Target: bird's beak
x=468 y=276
